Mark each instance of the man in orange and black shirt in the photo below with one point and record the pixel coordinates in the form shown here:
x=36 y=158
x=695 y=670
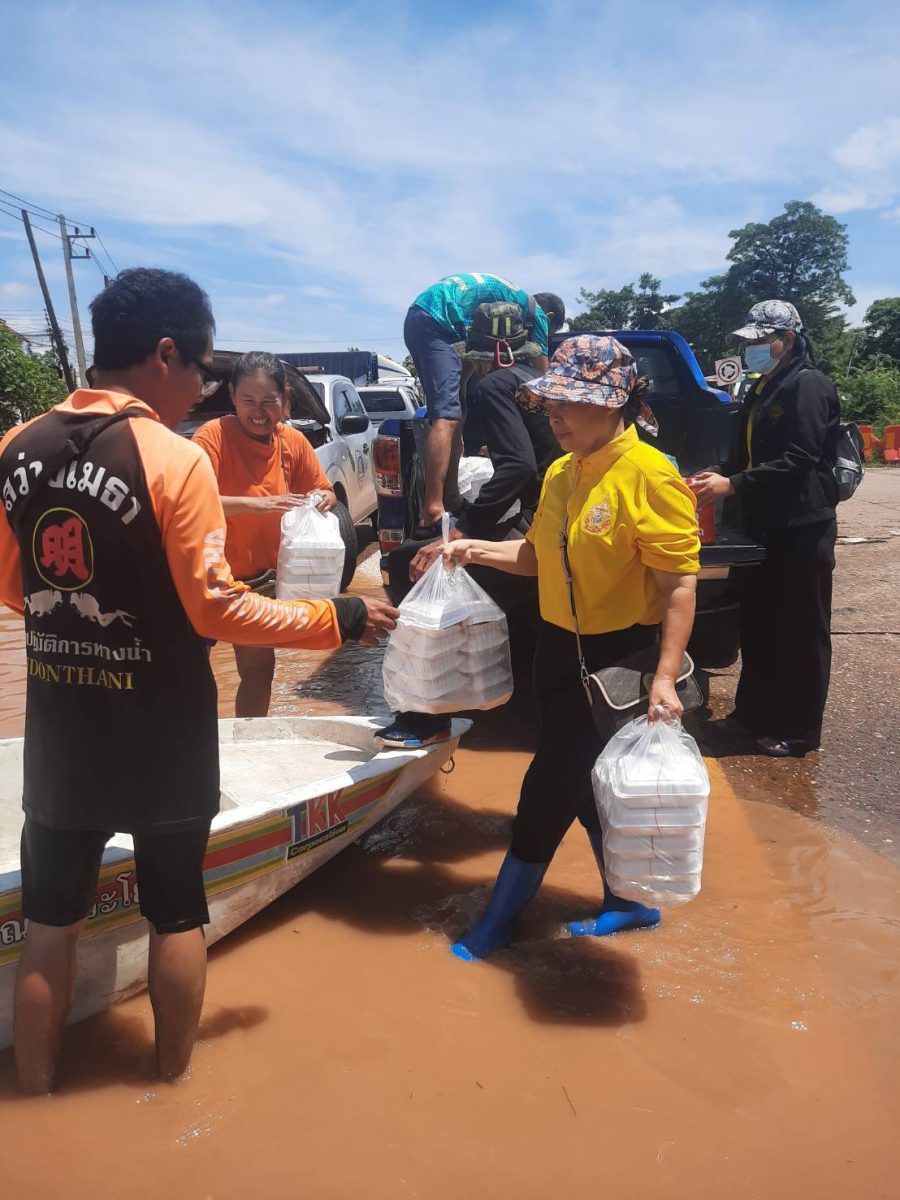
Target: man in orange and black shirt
x=112 y=547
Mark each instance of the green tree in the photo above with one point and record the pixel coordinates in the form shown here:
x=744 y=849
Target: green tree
x=634 y=306
x=28 y=385
x=870 y=396
x=800 y=255
x=410 y=366
x=706 y=318
x=881 y=329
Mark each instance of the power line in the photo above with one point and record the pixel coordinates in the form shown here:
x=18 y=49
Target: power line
x=27 y=203
x=34 y=209
x=108 y=255
x=39 y=213
x=18 y=217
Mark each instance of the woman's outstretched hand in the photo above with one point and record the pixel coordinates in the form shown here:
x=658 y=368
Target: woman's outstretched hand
x=458 y=553
x=708 y=487
x=429 y=552
x=325 y=499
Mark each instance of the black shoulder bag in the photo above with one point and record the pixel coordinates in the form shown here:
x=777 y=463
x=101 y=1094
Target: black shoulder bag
x=619 y=693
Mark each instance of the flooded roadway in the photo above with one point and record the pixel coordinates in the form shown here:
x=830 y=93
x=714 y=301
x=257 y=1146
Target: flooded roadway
x=747 y=1048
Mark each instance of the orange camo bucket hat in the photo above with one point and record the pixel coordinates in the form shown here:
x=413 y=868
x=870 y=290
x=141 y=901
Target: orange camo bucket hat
x=590 y=369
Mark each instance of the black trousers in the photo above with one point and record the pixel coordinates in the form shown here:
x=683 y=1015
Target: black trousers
x=557 y=788
x=785 y=621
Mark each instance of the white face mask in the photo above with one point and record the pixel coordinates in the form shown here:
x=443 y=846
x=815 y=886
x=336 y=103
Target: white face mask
x=758 y=360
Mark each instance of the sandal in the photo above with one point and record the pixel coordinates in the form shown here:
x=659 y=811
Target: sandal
x=774 y=748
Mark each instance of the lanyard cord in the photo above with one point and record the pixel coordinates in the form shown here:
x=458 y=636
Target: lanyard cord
x=570 y=584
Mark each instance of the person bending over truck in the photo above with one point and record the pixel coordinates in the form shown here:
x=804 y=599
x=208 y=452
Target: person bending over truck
x=516 y=437
x=114 y=524
x=437 y=319
x=263 y=468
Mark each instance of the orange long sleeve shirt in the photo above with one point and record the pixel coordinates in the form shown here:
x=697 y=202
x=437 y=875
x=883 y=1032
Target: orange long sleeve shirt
x=188 y=510
x=244 y=467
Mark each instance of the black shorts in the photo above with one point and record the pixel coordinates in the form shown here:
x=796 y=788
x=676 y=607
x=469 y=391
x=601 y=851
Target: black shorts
x=60 y=869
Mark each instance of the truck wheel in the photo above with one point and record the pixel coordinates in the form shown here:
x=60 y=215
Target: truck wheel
x=351 y=547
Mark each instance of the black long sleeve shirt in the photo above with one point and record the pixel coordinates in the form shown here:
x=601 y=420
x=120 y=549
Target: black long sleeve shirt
x=786 y=478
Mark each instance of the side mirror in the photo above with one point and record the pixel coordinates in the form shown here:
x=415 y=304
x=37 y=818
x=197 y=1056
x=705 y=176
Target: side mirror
x=353 y=423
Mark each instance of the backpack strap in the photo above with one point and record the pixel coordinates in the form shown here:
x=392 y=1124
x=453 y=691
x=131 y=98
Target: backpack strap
x=523 y=373
x=75 y=445
x=529 y=315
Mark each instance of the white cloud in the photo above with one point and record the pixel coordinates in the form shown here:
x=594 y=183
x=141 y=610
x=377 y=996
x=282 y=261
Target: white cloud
x=355 y=170
x=871 y=147
x=867 y=294
x=870 y=156
x=15 y=291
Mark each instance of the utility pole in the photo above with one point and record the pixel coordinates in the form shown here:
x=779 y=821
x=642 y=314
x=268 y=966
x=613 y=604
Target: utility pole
x=67 y=240
x=48 y=304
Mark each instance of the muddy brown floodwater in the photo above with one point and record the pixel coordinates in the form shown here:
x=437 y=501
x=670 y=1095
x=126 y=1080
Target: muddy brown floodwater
x=747 y=1048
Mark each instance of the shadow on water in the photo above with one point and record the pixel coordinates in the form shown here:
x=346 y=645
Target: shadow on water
x=112 y=1049
x=403 y=866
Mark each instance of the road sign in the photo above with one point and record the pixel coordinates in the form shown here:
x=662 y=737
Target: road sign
x=729 y=370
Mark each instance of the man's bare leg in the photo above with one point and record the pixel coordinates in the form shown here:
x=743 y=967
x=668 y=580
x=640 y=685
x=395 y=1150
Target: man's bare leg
x=177 y=979
x=452 y=498
x=45 y=988
x=438 y=454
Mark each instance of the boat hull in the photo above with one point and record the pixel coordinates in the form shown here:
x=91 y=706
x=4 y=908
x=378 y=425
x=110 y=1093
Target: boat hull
x=257 y=849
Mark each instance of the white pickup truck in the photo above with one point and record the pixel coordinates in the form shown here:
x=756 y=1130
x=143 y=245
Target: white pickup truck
x=343 y=446
x=391 y=400
x=327 y=410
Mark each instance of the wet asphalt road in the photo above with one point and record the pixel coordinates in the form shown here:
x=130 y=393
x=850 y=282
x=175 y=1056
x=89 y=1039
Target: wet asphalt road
x=852 y=782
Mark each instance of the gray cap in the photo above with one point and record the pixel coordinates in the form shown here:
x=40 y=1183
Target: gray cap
x=769 y=316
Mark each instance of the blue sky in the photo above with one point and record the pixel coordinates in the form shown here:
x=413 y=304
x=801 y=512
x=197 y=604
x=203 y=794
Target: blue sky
x=315 y=165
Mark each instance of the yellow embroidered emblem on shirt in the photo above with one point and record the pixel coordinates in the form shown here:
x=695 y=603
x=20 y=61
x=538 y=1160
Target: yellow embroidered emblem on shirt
x=597 y=519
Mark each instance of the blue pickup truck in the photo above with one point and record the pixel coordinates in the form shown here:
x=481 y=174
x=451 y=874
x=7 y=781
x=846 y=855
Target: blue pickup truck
x=696 y=426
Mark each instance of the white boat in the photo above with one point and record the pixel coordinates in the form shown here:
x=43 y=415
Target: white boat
x=295 y=791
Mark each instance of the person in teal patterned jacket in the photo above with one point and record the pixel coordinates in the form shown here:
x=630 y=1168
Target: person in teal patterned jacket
x=438 y=320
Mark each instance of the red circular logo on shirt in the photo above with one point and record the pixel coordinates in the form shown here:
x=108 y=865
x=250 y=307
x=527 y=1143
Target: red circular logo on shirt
x=62 y=549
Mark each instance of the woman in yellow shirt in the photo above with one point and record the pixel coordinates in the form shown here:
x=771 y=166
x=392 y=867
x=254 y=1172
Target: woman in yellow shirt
x=629 y=524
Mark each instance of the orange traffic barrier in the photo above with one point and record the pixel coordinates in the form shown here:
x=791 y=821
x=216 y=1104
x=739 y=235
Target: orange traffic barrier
x=869 y=440
x=891 y=443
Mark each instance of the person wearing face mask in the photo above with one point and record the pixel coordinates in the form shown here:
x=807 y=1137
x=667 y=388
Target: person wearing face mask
x=781 y=470
x=263 y=467
x=629 y=527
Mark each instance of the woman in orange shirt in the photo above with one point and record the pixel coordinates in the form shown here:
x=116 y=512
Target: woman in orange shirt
x=264 y=467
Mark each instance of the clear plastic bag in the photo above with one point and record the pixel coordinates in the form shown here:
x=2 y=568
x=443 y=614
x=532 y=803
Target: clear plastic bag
x=310 y=554
x=450 y=650
x=652 y=792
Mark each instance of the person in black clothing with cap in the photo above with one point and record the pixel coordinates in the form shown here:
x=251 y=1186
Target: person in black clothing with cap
x=781 y=469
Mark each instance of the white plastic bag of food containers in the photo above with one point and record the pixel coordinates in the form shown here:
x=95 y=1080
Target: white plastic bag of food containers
x=450 y=649
x=310 y=554
x=652 y=791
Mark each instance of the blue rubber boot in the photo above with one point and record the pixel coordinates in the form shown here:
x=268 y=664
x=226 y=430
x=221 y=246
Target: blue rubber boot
x=616 y=915
x=516 y=884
